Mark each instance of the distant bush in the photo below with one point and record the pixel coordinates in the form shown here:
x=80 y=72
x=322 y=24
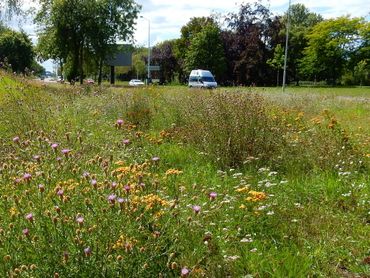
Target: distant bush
x=238 y=129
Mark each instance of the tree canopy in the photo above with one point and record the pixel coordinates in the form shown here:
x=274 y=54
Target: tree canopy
x=73 y=29
x=332 y=44
x=16 y=50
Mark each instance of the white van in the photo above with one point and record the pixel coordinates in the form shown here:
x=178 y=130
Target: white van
x=202 y=79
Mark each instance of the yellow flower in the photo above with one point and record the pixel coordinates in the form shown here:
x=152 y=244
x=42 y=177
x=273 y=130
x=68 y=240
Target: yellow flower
x=170 y=172
x=13 y=211
x=256 y=196
x=243 y=189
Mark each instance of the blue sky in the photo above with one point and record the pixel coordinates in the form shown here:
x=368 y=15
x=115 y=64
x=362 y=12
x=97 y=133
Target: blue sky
x=168 y=16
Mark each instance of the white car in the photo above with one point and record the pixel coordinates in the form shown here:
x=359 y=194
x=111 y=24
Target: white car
x=136 y=82
x=202 y=79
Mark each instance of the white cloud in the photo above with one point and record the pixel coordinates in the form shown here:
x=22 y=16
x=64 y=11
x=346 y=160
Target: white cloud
x=175 y=14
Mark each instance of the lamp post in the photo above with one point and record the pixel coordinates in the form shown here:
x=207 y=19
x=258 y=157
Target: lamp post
x=148 y=80
x=286 y=46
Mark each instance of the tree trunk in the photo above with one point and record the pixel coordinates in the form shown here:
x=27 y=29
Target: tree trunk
x=81 y=64
x=100 y=71
x=277 y=78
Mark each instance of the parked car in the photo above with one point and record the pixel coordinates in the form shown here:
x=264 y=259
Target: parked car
x=202 y=79
x=90 y=81
x=136 y=83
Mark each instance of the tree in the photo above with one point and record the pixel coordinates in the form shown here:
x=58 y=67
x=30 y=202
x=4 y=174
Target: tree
x=331 y=44
x=250 y=38
x=78 y=28
x=10 y=7
x=163 y=56
x=277 y=61
x=361 y=72
x=16 y=50
x=138 y=61
x=206 y=51
x=188 y=32
x=301 y=23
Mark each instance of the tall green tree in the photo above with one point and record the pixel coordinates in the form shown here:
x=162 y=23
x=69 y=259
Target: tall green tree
x=206 y=51
x=188 y=32
x=16 y=50
x=301 y=23
x=277 y=61
x=331 y=46
x=75 y=29
x=138 y=61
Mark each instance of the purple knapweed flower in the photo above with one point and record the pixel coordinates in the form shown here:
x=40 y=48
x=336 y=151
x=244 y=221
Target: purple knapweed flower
x=41 y=188
x=60 y=193
x=185 y=272
x=54 y=146
x=126 y=142
x=29 y=217
x=37 y=158
x=27 y=176
x=114 y=185
x=112 y=198
x=16 y=139
x=127 y=188
x=87 y=251
x=196 y=209
x=80 y=220
x=66 y=151
x=93 y=182
x=17 y=180
x=26 y=232
x=85 y=174
x=119 y=122
x=212 y=195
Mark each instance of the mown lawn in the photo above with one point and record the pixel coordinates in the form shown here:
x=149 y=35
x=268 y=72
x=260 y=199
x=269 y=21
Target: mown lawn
x=169 y=182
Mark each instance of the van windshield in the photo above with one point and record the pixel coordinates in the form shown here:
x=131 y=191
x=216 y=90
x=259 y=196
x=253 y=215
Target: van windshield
x=208 y=79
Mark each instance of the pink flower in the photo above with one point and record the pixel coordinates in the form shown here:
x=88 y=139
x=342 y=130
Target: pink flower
x=114 y=185
x=26 y=232
x=41 y=188
x=66 y=151
x=93 y=182
x=54 y=146
x=16 y=139
x=196 y=209
x=212 y=195
x=126 y=142
x=80 y=220
x=87 y=251
x=185 y=272
x=60 y=193
x=29 y=217
x=27 y=177
x=112 y=198
x=37 y=158
x=127 y=188
x=119 y=122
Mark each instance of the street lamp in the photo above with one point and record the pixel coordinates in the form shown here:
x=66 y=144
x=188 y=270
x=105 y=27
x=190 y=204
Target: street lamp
x=148 y=48
x=286 y=46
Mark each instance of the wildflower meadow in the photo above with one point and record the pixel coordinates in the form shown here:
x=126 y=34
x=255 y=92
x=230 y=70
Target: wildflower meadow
x=174 y=182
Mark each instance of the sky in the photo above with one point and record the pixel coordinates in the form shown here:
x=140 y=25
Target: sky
x=168 y=16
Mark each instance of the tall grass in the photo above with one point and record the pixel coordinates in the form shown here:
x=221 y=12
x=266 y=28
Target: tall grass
x=190 y=183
